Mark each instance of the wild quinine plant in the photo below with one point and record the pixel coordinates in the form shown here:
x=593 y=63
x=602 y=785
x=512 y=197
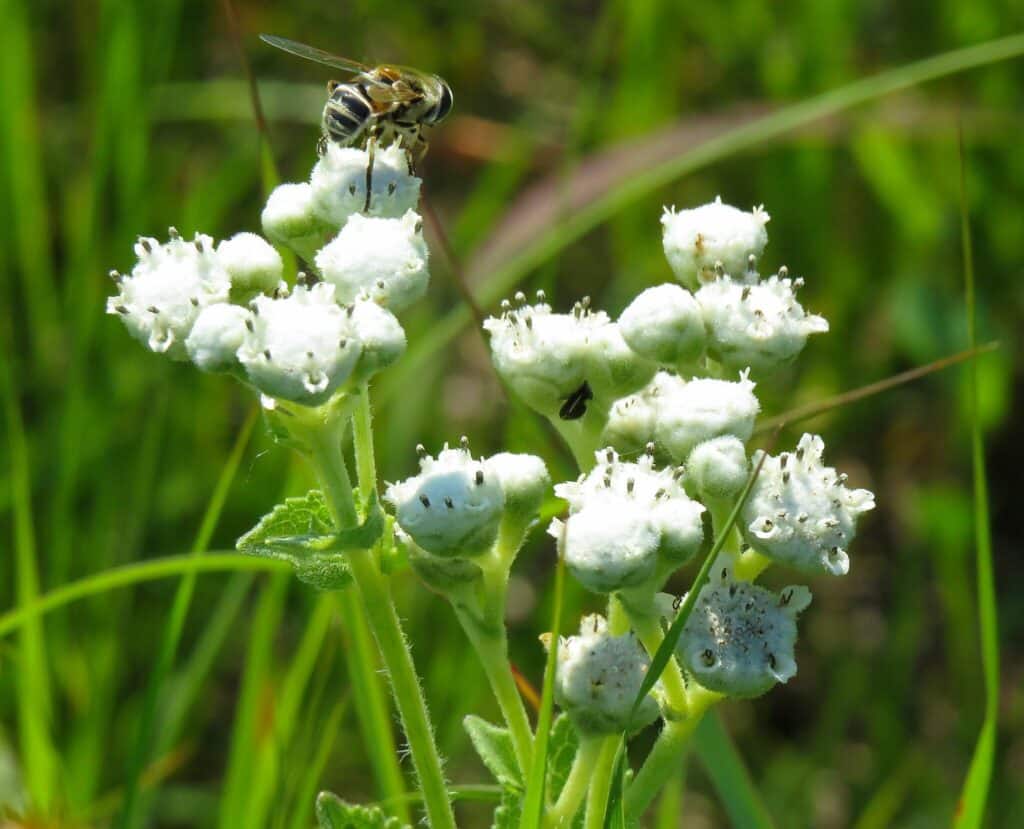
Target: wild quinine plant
x=657 y=407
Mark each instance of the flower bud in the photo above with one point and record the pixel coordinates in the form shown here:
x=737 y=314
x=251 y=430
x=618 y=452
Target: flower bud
x=712 y=236
x=739 y=638
x=379 y=333
x=598 y=677
x=338 y=183
x=251 y=262
x=290 y=219
x=761 y=326
x=216 y=336
x=302 y=347
x=718 y=468
x=170 y=284
x=800 y=513
x=524 y=479
x=452 y=508
x=690 y=412
x=383 y=259
x=664 y=324
x=631 y=424
x=624 y=520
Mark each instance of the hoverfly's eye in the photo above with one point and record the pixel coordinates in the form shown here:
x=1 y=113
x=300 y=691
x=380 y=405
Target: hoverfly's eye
x=444 y=106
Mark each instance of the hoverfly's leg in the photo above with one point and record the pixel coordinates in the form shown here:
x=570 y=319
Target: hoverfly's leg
x=371 y=143
x=321 y=146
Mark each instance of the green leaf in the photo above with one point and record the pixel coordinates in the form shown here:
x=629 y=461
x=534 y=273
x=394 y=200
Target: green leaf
x=730 y=778
x=494 y=745
x=334 y=813
x=301 y=532
x=510 y=811
x=562 y=747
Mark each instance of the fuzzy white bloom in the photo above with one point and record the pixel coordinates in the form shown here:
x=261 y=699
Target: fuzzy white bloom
x=379 y=333
x=161 y=298
x=664 y=324
x=523 y=478
x=677 y=414
x=697 y=241
x=216 y=336
x=251 y=262
x=598 y=677
x=338 y=183
x=718 y=468
x=290 y=219
x=761 y=326
x=301 y=347
x=452 y=508
x=739 y=638
x=546 y=358
x=624 y=520
x=384 y=259
x=800 y=512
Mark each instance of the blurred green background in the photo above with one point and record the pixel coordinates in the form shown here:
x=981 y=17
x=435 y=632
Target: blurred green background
x=121 y=118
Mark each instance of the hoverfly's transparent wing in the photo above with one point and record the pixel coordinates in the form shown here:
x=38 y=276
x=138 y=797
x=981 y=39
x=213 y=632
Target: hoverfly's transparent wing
x=293 y=47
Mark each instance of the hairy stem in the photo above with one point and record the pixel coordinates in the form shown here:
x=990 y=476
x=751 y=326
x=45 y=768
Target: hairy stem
x=601 y=783
x=564 y=811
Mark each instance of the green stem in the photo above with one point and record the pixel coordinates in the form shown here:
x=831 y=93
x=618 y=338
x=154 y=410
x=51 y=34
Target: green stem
x=564 y=811
x=660 y=766
x=491 y=646
x=362 y=436
x=379 y=607
x=601 y=782
x=651 y=635
x=750 y=564
x=583 y=436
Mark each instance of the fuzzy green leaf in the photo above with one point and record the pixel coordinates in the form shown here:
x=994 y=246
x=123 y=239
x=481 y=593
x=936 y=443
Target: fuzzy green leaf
x=561 y=752
x=334 y=813
x=510 y=811
x=301 y=531
x=494 y=745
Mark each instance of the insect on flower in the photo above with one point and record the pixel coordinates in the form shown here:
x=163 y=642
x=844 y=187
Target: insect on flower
x=380 y=105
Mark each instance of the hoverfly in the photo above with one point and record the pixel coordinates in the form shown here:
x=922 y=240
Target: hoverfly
x=379 y=105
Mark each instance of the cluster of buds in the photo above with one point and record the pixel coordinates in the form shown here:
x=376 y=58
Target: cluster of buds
x=228 y=307
x=669 y=385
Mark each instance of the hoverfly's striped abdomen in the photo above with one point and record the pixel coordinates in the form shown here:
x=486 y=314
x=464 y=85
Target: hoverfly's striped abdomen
x=346 y=114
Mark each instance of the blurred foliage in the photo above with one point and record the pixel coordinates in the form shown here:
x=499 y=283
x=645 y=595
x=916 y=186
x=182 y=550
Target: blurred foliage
x=120 y=118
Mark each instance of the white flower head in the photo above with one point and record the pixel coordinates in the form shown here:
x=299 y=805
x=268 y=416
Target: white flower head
x=713 y=237
x=380 y=336
x=301 y=347
x=761 y=326
x=453 y=507
x=383 y=259
x=718 y=468
x=523 y=478
x=626 y=518
x=739 y=638
x=170 y=284
x=664 y=324
x=252 y=263
x=598 y=677
x=290 y=219
x=338 y=183
x=546 y=357
x=801 y=513
x=216 y=336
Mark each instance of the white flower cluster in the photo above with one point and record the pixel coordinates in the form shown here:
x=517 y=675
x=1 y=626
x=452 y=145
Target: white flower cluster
x=668 y=385
x=454 y=507
x=598 y=677
x=227 y=307
x=629 y=524
x=739 y=638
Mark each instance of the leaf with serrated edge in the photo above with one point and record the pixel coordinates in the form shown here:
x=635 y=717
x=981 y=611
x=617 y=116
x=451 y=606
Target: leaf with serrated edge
x=334 y=813
x=561 y=752
x=494 y=745
x=301 y=532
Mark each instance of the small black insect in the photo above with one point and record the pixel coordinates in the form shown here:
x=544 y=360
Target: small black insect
x=575 y=405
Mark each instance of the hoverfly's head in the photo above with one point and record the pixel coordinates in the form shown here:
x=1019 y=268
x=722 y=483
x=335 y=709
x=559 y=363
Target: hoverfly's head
x=444 y=103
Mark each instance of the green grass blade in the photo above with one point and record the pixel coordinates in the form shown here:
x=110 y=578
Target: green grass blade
x=974 y=795
x=130 y=574
x=534 y=798
x=729 y=776
x=302 y=814
x=627 y=190
x=34 y=695
x=131 y=815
